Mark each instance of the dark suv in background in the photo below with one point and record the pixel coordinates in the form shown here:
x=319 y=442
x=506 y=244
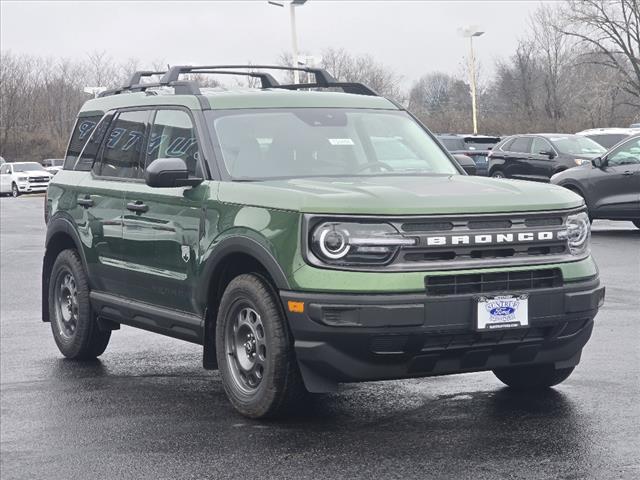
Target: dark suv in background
x=610 y=186
x=538 y=157
x=477 y=147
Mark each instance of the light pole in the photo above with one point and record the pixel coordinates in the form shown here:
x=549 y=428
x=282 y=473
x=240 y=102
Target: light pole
x=294 y=37
x=471 y=32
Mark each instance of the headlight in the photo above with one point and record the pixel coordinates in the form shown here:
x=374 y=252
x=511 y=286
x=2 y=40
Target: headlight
x=581 y=161
x=577 y=233
x=23 y=179
x=349 y=243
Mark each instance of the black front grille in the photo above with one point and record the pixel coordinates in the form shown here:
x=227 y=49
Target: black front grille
x=493 y=282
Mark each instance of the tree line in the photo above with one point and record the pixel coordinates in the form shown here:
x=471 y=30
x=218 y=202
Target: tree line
x=577 y=66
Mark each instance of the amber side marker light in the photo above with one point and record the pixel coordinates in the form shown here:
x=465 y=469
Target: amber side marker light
x=296 y=307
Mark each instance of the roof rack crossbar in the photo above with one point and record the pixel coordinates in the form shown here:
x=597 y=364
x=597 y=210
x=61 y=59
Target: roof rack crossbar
x=137 y=76
x=266 y=79
x=323 y=77
x=347 y=87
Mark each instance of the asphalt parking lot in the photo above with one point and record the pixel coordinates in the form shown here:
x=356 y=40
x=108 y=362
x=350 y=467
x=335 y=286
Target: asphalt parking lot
x=146 y=409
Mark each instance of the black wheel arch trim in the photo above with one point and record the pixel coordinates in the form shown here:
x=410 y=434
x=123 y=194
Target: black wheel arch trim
x=239 y=244
x=59 y=223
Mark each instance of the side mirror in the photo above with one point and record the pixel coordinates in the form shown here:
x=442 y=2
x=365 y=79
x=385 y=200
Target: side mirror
x=466 y=162
x=548 y=153
x=168 y=173
x=598 y=162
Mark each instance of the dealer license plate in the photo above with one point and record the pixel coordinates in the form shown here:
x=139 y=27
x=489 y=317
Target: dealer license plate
x=502 y=312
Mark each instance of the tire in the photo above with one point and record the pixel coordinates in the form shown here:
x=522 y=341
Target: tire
x=14 y=190
x=497 y=173
x=255 y=350
x=535 y=377
x=73 y=324
x=636 y=223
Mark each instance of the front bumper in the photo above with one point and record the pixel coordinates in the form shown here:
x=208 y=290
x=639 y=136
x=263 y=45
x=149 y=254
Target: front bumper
x=350 y=338
x=32 y=187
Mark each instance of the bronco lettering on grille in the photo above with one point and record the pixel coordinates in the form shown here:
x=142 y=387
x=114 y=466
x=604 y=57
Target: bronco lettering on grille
x=490 y=238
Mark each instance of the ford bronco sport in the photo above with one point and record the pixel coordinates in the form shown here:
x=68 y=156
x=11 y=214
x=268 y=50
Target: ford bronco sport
x=307 y=235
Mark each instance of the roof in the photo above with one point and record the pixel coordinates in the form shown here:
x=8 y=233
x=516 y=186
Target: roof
x=612 y=131
x=242 y=99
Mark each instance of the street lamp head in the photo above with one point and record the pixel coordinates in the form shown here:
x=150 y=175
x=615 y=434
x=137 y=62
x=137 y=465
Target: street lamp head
x=295 y=3
x=470 y=31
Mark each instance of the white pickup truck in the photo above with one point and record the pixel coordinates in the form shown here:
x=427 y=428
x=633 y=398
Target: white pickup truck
x=23 y=177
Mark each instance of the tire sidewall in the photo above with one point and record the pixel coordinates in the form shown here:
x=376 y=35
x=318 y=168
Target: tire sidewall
x=67 y=261
x=239 y=294
x=14 y=191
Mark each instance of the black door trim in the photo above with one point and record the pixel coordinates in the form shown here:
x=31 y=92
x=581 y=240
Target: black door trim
x=162 y=320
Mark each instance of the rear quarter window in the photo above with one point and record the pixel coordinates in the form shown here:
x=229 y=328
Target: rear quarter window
x=80 y=135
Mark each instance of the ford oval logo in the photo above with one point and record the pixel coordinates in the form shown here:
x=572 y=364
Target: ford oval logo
x=501 y=311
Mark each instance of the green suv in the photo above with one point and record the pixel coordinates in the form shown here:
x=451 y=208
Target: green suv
x=307 y=235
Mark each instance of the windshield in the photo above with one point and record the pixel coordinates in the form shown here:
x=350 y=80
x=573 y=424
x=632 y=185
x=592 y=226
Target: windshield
x=576 y=145
x=318 y=142
x=24 y=167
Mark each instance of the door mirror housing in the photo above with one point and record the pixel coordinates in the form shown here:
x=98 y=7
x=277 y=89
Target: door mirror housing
x=466 y=162
x=598 y=162
x=168 y=173
x=548 y=153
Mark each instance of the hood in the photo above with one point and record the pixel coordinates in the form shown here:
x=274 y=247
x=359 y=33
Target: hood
x=400 y=195
x=34 y=173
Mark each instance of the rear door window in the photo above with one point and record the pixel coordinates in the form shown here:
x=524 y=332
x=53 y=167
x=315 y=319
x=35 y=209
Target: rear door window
x=122 y=145
x=521 y=145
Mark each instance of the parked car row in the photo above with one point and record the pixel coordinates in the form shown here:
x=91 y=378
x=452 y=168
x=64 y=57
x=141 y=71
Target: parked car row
x=602 y=165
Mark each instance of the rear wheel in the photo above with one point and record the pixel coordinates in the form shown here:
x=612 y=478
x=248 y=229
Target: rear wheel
x=498 y=174
x=255 y=350
x=73 y=324
x=534 y=377
x=14 y=190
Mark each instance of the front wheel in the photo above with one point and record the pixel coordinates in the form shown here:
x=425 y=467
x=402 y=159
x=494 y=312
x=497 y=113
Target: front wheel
x=255 y=350
x=534 y=377
x=498 y=174
x=73 y=324
x=14 y=190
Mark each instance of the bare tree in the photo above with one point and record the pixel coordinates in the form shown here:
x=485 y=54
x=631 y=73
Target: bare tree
x=612 y=28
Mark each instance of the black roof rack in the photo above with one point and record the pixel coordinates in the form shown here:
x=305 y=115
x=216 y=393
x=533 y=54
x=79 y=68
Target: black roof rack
x=266 y=79
x=137 y=76
x=347 y=87
x=323 y=79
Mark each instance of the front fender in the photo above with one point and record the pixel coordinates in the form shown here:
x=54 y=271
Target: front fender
x=245 y=241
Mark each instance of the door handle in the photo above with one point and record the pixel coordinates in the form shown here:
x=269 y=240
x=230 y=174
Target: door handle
x=85 y=202
x=137 y=207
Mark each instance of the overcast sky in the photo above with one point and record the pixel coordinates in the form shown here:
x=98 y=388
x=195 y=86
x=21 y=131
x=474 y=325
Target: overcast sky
x=413 y=37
